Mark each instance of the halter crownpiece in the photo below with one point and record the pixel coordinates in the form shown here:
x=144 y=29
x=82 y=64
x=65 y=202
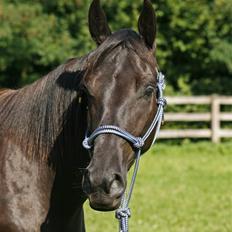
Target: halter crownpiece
x=123 y=213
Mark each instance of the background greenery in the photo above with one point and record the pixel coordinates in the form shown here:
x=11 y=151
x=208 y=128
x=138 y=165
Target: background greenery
x=194 y=43
x=183 y=188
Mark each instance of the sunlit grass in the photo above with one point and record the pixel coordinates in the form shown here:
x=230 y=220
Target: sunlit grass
x=179 y=188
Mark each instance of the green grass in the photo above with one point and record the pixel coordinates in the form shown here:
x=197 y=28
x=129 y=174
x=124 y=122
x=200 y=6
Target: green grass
x=180 y=188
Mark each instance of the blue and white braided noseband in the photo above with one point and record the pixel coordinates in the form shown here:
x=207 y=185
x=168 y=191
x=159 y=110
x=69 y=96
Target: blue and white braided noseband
x=123 y=213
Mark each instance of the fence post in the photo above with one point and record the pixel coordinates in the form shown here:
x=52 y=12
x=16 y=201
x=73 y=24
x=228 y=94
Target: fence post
x=215 y=115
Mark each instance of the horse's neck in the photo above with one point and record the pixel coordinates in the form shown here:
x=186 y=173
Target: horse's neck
x=42 y=117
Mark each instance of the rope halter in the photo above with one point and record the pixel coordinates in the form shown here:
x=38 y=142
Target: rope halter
x=123 y=213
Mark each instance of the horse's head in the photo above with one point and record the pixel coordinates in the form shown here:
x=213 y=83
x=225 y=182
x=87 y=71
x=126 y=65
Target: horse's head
x=121 y=89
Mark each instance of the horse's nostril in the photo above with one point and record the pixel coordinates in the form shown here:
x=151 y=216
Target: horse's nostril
x=111 y=184
x=117 y=186
x=118 y=177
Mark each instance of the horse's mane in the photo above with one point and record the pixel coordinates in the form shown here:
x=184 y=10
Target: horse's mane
x=34 y=116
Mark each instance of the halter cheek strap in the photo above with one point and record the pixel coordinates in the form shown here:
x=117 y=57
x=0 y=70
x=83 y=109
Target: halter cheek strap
x=123 y=213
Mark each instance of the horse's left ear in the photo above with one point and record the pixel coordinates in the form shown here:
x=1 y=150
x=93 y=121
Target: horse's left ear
x=98 y=25
x=147 y=24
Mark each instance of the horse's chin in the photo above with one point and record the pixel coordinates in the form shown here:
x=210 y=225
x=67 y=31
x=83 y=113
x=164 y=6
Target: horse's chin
x=101 y=202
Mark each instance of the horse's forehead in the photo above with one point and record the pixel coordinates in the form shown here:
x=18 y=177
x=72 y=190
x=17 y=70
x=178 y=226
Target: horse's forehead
x=142 y=65
x=120 y=69
x=128 y=73
x=127 y=65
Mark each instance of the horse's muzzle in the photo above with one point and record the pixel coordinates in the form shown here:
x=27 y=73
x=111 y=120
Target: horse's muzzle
x=104 y=191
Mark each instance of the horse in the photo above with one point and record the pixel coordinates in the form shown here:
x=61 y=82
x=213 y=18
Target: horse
x=46 y=174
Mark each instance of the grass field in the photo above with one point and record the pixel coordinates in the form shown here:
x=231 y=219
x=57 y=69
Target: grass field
x=180 y=188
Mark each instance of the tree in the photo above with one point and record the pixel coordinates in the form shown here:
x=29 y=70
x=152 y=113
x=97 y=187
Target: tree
x=194 y=43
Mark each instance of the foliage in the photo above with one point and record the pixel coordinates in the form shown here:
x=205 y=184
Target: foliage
x=34 y=38
x=179 y=188
x=194 y=43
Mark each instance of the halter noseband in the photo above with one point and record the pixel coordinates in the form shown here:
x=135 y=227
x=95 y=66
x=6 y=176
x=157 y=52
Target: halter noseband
x=123 y=213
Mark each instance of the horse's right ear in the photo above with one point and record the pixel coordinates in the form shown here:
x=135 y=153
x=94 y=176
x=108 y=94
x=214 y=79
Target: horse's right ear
x=98 y=25
x=147 y=24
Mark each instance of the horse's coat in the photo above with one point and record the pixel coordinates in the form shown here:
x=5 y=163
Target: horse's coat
x=42 y=127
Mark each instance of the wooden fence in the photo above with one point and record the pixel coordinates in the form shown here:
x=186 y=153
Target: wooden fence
x=215 y=117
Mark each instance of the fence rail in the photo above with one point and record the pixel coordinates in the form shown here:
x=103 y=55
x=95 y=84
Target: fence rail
x=215 y=116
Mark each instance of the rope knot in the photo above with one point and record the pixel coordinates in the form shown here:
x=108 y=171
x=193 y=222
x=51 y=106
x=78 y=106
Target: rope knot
x=139 y=143
x=86 y=144
x=162 y=101
x=122 y=213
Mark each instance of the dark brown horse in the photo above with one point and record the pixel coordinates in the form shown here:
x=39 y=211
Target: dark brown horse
x=42 y=127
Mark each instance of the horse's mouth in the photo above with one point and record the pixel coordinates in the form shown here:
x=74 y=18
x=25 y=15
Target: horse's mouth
x=102 y=202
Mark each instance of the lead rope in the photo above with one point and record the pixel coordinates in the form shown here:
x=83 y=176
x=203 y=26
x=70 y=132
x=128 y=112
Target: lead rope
x=123 y=213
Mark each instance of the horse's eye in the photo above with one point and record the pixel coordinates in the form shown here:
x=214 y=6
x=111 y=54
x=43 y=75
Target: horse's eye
x=149 y=91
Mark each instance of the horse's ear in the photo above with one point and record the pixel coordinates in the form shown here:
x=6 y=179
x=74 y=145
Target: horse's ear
x=147 y=24
x=98 y=25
